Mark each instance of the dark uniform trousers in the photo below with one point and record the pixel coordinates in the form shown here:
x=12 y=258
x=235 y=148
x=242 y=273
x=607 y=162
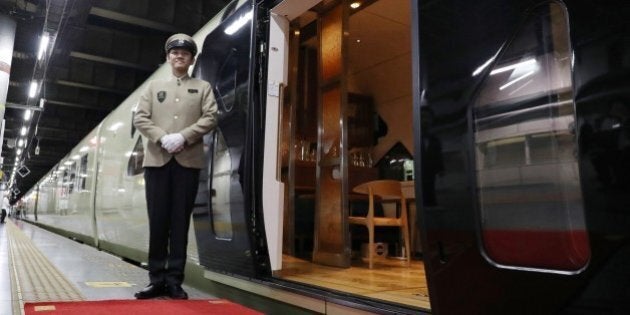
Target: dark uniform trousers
x=170 y=191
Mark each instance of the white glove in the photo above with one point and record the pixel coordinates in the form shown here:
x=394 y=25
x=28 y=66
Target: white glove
x=173 y=142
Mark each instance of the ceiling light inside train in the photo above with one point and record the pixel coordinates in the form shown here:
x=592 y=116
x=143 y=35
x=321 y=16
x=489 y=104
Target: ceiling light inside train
x=23 y=131
x=21 y=143
x=523 y=66
x=236 y=25
x=355 y=4
x=43 y=45
x=27 y=115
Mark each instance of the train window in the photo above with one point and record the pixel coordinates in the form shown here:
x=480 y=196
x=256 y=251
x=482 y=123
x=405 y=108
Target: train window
x=221 y=188
x=82 y=173
x=528 y=183
x=504 y=152
x=134 y=164
x=225 y=87
x=70 y=175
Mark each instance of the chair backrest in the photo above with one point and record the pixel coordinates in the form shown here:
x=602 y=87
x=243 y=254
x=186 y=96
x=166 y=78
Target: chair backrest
x=386 y=189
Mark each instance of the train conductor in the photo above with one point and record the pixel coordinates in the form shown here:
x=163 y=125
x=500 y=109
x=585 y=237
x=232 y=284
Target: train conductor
x=173 y=115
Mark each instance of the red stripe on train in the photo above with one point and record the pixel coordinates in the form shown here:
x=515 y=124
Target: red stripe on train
x=559 y=250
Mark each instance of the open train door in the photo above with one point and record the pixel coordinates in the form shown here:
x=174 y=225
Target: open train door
x=222 y=214
x=507 y=89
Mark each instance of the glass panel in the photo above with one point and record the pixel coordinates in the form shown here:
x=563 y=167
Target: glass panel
x=528 y=181
x=82 y=173
x=70 y=179
x=134 y=165
x=220 y=191
x=225 y=86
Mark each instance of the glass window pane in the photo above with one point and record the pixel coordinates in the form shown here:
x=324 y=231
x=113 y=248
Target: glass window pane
x=134 y=164
x=220 y=192
x=528 y=181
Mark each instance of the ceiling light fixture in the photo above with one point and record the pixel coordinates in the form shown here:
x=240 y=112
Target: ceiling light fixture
x=483 y=66
x=355 y=4
x=43 y=45
x=240 y=22
x=525 y=64
x=516 y=80
x=33 y=89
x=27 y=115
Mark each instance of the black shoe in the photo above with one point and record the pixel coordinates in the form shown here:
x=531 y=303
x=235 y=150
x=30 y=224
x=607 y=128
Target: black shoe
x=176 y=292
x=151 y=291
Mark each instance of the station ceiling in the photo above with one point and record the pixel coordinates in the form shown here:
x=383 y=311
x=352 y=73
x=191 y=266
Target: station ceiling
x=100 y=51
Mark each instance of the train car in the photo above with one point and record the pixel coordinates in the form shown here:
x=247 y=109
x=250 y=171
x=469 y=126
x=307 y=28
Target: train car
x=505 y=123
x=95 y=194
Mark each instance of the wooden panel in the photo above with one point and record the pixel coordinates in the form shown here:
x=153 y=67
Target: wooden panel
x=331 y=130
x=331 y=237
x=329 y=242
x=331 y=42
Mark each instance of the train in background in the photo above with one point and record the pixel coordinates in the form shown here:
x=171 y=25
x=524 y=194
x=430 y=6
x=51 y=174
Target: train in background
x=517 y=117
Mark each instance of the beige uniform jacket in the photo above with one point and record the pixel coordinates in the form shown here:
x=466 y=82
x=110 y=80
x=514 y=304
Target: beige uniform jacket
x=185 y=105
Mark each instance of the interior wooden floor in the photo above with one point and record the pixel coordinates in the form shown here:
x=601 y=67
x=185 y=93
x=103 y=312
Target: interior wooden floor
x=390 y=280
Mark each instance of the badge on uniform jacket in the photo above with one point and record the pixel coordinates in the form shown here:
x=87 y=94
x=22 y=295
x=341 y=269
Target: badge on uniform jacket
x=161 y=96
x=192 y=91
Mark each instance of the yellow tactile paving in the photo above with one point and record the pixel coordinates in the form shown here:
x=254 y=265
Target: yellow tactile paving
x=34 y=278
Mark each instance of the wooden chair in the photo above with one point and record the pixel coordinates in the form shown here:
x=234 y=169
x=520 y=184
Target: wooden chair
x=383 y=191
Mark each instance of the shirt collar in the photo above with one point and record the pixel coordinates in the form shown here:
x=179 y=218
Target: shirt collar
x=183 y=78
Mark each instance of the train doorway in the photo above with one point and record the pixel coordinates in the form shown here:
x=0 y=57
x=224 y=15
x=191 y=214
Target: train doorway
x=347 y=122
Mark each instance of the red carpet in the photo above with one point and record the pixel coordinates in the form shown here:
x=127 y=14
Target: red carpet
x=138 y=307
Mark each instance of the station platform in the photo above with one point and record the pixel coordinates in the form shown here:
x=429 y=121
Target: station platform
x=38 y=267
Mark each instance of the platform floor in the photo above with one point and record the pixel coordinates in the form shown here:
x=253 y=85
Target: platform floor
x=37 y=266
